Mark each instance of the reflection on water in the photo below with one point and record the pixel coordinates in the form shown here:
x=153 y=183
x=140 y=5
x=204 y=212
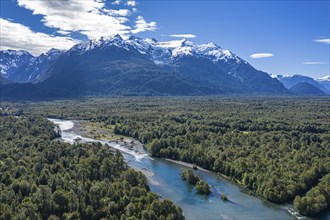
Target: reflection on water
x=166 y=181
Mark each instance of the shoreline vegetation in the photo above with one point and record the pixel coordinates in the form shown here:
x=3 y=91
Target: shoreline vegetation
x=80 y=130
x=128 y=143
x=200 y=185
x=276 y=147
x=45 y=179
x=185 y=164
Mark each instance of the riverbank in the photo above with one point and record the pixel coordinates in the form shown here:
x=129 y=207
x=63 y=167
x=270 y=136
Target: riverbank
x=79 y=127
x=185 y=164
x=131 y=144
x=192 y=166
x=164 y=179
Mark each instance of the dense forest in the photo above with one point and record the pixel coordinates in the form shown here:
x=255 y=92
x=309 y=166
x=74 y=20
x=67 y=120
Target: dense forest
x=43 y=178
x=279 y=148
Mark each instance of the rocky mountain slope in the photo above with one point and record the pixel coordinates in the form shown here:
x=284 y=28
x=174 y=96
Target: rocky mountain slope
x=135 y=66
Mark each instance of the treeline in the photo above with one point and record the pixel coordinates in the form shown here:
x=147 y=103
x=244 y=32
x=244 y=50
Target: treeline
x=41 y=178
x=277 y=147
x=316 y=200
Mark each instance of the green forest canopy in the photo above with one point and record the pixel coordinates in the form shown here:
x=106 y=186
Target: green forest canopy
x=45 y=179
x=277 y=147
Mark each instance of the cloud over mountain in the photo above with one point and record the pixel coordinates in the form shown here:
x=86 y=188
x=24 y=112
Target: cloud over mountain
x=85 y=17
x=89 y=18
x=19 y=37
x=142 y=25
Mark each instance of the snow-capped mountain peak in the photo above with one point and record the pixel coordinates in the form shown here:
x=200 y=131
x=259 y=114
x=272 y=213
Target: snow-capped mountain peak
x=160 y=52
x=54 y=51
x=21 y=66
x=186 y=43
x=16 y=52
x=182 y=51
x=179 y=62
x=324 y=78
x=274 y=76
x=117 y=37
x=115 y=40
x=216 y=53
x=156 y=51
x=11 y=60
x=208 y=47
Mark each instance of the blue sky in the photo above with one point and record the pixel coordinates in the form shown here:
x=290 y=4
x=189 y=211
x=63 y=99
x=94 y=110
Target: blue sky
x=279 y=37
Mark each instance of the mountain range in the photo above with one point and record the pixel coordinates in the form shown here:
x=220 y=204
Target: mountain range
x=289 y=81
x=22 y=67
x=134 y=66
x=325 y=82
x=11 y=61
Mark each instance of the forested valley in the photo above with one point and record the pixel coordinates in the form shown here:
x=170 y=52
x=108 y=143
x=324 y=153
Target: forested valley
x=279 y=148
x=43 y=178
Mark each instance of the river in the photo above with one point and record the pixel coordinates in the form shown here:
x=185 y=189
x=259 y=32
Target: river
x=164 y=179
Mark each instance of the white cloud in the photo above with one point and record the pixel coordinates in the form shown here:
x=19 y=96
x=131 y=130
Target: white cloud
x=141 y=25
x=172 y=43
x=91 y=18
x=134 y=10
x=314 y=63
x=19 y=37
x=120 y=12
x=182 y=35
x=88 y=17
x=63 y=32
x=117 y=2
x=324 y=40
x=261 y=55
x=324 y=78
x=131 y=3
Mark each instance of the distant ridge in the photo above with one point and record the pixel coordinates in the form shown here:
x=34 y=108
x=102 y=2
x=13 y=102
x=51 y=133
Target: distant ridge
x=4 y=81
x=304 y=88
x=325 y=82
x=292 y=80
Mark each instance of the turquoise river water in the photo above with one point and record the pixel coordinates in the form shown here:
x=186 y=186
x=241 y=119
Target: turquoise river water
x=164 y=179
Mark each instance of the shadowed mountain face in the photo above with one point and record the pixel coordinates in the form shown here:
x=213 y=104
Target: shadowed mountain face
x=204 y=72
x=255 y=81
x=4 y=81
x=22 y=67
x=33 y=70
x=114 y=71
x=11 y=60
x=143 y=67
x=307 y=89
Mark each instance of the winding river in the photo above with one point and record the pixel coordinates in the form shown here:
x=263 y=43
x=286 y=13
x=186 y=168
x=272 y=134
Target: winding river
x=164 y=179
